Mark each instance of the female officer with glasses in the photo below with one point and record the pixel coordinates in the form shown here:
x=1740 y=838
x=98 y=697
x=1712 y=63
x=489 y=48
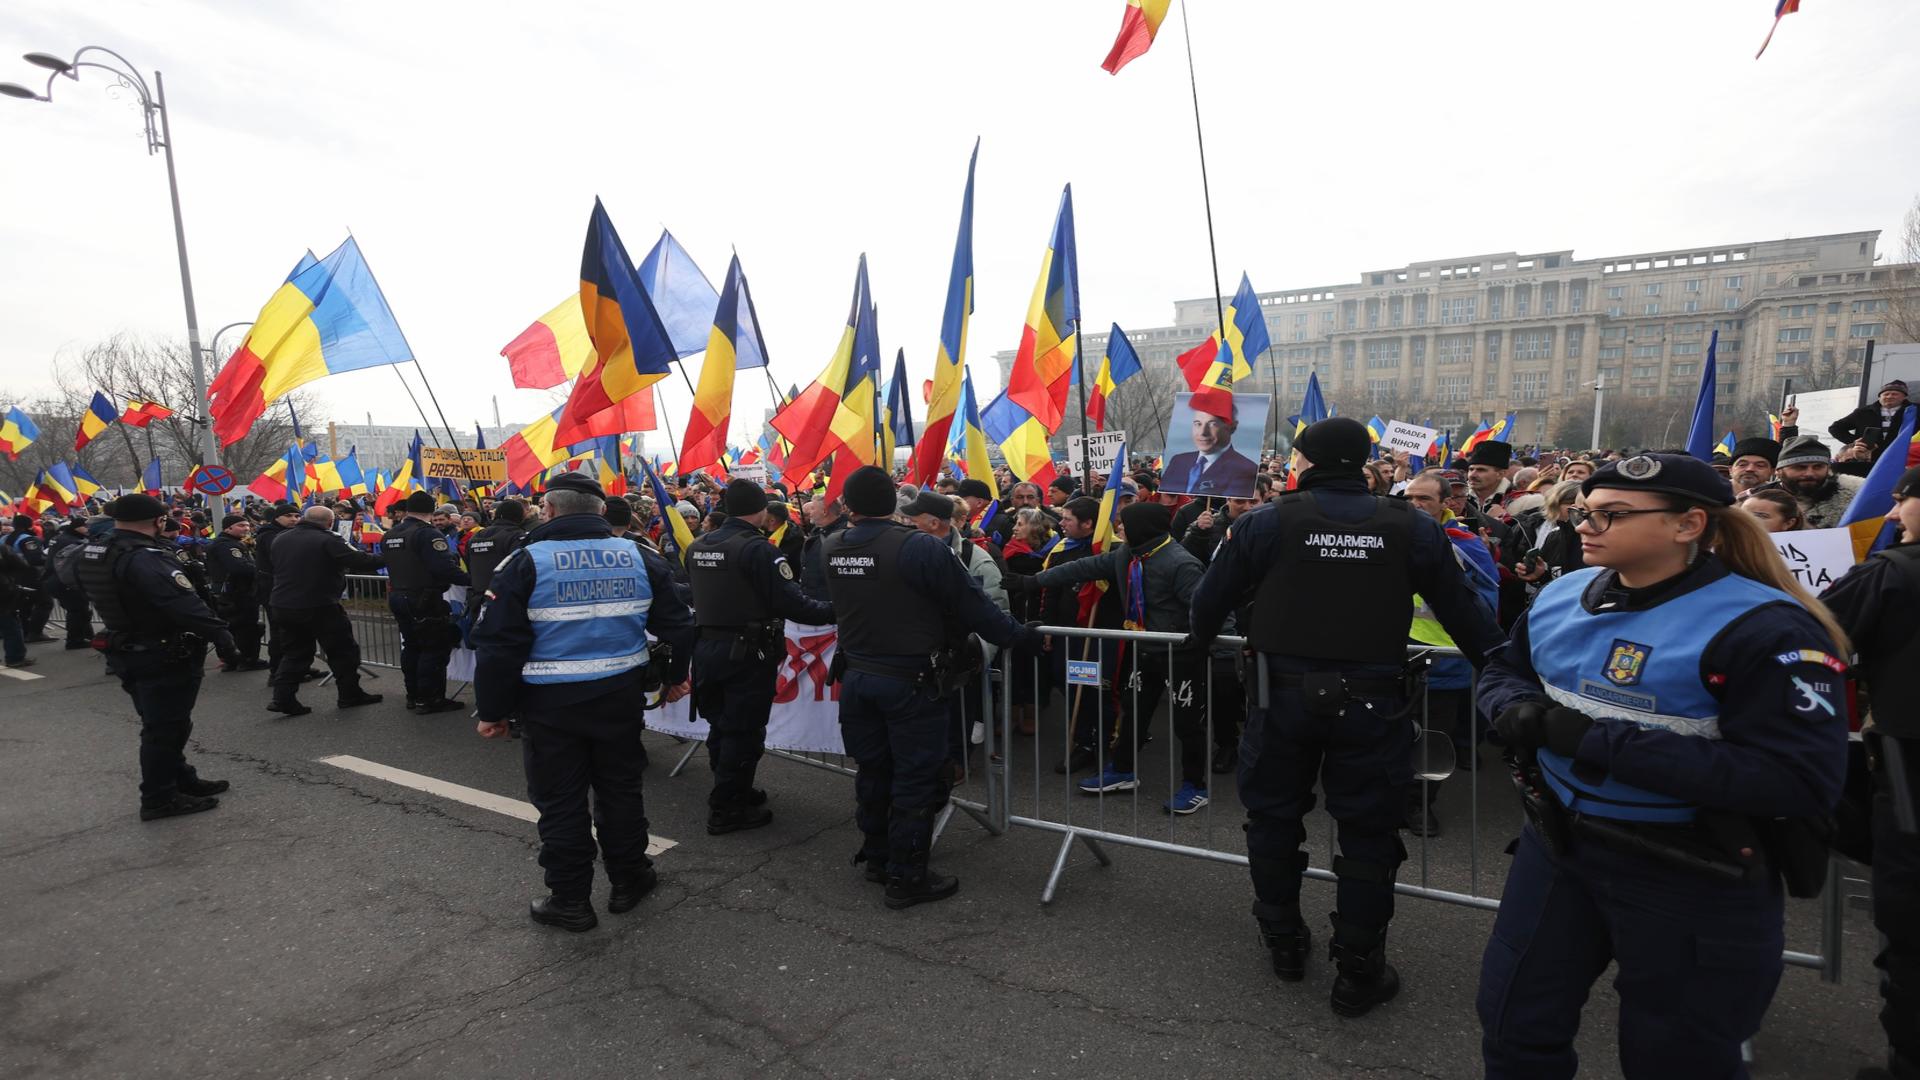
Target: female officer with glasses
x=1673 y=708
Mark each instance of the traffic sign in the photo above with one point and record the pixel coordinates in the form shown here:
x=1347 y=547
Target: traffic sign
x=213 y=479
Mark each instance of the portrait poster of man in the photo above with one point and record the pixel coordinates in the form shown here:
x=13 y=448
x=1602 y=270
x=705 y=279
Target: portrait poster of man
x=1214 y=456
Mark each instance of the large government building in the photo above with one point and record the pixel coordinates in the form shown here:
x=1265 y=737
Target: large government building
x=1458 y=341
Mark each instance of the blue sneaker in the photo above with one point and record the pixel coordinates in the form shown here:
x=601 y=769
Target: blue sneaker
x=1189 y=798
x=1111 y=780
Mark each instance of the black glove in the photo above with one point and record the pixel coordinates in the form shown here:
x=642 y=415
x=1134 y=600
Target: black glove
x=1030 y=636
x=1522 y=725
x=1018 y=582
x=224 y=648
x=1564 y=729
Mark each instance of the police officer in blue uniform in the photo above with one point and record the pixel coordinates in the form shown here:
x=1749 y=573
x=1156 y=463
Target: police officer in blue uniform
x=1332 y=570
x=905 y=606
x=743 y=590
x=158 y=629
x=562 y=644
x=231 y=573
x=1676 y=710
x=420 y=566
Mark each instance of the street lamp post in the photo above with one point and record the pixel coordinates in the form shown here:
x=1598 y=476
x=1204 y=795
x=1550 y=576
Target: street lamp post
x=159 y=139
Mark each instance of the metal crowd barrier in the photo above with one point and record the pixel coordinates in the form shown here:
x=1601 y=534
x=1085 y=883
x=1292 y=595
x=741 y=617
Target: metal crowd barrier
x=373 y=625
x=1116 y=819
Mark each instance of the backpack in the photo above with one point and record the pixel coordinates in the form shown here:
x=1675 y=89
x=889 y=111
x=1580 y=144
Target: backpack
x=64 y=567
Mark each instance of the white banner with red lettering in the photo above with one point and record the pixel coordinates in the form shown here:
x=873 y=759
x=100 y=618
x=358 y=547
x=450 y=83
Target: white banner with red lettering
x=806 y=710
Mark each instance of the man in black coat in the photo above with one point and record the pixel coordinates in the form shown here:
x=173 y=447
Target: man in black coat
x=1877 y=424
x=311 y=564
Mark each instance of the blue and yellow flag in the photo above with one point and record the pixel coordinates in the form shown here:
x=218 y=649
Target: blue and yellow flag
x=969 y=441
x=896 y=423
x=17 y=432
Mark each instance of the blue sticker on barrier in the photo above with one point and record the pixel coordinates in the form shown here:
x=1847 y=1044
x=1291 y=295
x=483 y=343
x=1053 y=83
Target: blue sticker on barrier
x=1083 y=673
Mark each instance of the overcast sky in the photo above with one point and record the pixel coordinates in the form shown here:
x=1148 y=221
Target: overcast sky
x=464 y=145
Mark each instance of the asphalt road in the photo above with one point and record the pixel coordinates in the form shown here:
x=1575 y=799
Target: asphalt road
x=322 y=923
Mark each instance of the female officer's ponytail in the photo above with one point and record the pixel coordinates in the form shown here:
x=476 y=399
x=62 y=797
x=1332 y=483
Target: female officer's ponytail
x=1742 y=543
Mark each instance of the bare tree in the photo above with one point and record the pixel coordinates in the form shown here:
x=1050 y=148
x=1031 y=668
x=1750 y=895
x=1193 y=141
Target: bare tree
x=1903 y=294
x=125 y=368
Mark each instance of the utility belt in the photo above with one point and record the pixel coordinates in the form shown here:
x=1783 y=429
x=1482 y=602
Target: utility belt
x=1718 y=845
x=171 y=647
x=762 y=639
x=944 y=673
x=653 y=673
x=1327 y=693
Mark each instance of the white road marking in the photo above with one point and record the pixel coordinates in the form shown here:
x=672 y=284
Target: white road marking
x=16 y=673
x=485 y=800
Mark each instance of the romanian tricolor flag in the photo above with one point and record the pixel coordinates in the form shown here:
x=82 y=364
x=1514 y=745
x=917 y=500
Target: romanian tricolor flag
x=1773 y=427
x=58 y=479
x=632 y=350
x=1725 y=445
x=671 y=523
x=1117 y=365
x=1138 y=24
x=84 y=485
x=1497 y=432
x=403 y=482
x=969 y=443
x=141 y=413
x=1780 y=11
x=835 y=414
x=896 y=419
x=100 y=413
x=1043 y=367
x=1866 y=515
x=1376 y=430
x=285 y=480
x=1213 y=366
x=17 y=432
x=533 y=449
x=734 y=344
x=150 y=480
x=551 y=351
x=1021 y=438
x=329 y=317
x=950 y=365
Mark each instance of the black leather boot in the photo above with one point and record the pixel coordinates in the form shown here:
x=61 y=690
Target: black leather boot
x=1289 y=943
x=874 y=858
x=176 y=806
x=921 y=886
x=1365 y=979
x=572 y=915
x=736 y=818
x=627 y=892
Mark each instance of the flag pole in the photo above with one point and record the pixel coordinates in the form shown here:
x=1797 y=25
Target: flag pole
x=131 y=452
x=1206 y=192
x=660 y=406
x=435 y=398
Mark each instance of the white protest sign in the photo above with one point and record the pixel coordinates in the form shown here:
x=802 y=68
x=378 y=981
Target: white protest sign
x=1101 y=448
x=756 y=472
x=1816 y=557
x=1409 y=438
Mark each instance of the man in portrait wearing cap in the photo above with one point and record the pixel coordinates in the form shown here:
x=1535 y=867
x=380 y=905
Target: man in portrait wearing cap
x=1213 y=466
x=562 y=643
x=157 y=634
x=1332 y=571
x=1753 y=463
x=1877 y=423
x=1806 y=470
x=420 y=567
x=905 y=606
x=743 y=591
x=231 y=573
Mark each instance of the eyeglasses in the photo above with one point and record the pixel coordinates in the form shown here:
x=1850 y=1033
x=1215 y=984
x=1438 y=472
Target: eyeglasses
x=1602 y=520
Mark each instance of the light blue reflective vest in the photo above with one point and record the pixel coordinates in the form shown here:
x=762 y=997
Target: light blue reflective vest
x=588 y=610
x=1640 y=666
